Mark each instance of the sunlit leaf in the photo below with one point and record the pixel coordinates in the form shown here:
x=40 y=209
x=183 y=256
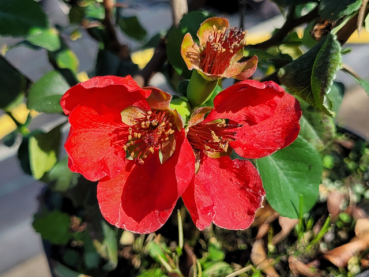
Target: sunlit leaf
x=289 y=173
x=18 y=17
x=334 y=10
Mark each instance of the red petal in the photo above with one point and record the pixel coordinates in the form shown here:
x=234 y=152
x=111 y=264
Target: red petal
x=158 y=99
x=142 y=197
x=225 y=192
x=248 y=100
x=89 y=144
x=272 y=134
x=111 y=91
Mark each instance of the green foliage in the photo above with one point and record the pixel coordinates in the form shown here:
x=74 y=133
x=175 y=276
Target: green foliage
x=109 y=64
x=155 y=272
x=10 y=139
x=316 y=127
x=289 y=173
x=64 y=58
x=182 y=107
x=13 y=85
x=285 y=3
x=363 y=83
x=44 y=38
x=53 y=226
x=45 y=94
x=334 y=10
x=311 y=76
x=19 y=17
x=190 y=23
x=218 y=269
x=132 y=27
x=210 y=102
x=60 y=178
x=44 y=151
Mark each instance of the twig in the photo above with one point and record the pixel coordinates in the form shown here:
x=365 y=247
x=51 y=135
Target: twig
x=115 y=46
x=179 y=8
x=342 y=36
x=288 y=26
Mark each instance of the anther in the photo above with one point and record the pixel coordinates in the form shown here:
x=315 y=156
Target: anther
x=129 y=137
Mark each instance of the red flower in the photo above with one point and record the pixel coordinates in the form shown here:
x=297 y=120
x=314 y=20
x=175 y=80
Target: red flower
x=111 y=117
x=219 y=52
x=252 y=118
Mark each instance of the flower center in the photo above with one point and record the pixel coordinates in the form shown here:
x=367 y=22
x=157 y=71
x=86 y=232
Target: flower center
x=220 y=48
x=212 y=137
x=149 y=132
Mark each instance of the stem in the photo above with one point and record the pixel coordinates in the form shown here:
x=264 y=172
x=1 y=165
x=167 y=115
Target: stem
x=290 y=24
x=14 y=119
x=199 y=90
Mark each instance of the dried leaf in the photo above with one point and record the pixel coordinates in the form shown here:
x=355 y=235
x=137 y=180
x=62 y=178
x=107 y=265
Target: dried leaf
x=360 y=18
x=362 y=227
x=266 y=214
x=259 y=259
x=287 y=225
x=334 y=201
x=299 y=268
x=341 y=255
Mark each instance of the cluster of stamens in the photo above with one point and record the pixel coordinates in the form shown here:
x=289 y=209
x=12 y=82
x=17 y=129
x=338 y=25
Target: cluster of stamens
x=212 y=137
x=146 y=135
x=219 y=49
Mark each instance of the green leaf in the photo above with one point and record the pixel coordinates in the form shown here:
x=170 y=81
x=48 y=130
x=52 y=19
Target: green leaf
x=182 y=107
x=76 y=14
x=316 y=127
x=71 y=257
x=154 y=272
x=53 y=226
x=334 y=10
x=45 y=38
x=363 y=83
x=210 y=102
x=218 y=269
x=10 y=139
x=13 y=85
x=311 y=75
x=18 y=17
x=95 y=11
x=285 y=3
x=367 y=23
x=23 y=156
x=132 y=27
x=63 y=271
x=154 y=41
x=108 y=248
x=190 y=23
x=289 y=173
x=64 y=58
x=327 y=63
x=44 y=151
x=60 y=177
x=335 y=95
x=182 y=87
x=45 y=94
x=110 y=64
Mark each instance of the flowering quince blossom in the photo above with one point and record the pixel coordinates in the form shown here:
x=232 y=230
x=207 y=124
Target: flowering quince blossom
x=112 y=117
x=220 y=52
x=252 y=118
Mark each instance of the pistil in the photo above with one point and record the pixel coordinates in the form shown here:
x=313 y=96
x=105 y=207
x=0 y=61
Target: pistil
x=212 y=137
x=220 y=48
x=149 y=131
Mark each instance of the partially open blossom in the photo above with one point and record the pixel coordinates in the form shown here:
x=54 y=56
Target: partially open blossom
x=220 y=53
x=113 y=118
x=252 y=118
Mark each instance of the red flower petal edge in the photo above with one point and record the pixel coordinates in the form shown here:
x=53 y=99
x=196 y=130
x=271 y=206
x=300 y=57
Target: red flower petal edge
x=142 y=197
x=224 y=192
x=111 y=91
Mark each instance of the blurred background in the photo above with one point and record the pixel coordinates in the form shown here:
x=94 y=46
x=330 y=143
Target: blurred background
x=21 y=252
